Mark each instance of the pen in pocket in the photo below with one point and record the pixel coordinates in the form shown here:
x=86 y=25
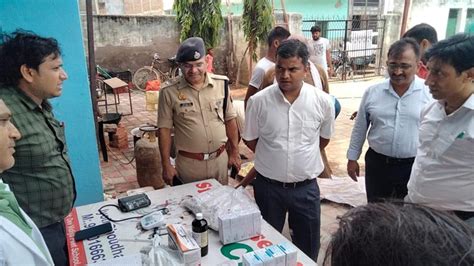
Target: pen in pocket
x=461 y=135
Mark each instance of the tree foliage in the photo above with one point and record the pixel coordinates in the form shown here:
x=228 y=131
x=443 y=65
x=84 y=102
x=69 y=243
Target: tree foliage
x=200 y=18
x=256 y=23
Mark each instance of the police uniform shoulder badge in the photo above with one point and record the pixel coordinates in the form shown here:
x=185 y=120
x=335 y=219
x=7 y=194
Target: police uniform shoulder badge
x=181 y=96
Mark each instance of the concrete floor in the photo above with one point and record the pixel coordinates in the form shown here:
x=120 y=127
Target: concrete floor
x=118 y=175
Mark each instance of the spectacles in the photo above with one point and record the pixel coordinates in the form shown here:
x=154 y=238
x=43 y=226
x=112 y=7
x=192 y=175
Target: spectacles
x=403 y=67
x=190 y=66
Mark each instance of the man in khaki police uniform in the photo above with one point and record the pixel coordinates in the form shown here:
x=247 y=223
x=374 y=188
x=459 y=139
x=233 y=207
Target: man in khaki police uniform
x=194 y=105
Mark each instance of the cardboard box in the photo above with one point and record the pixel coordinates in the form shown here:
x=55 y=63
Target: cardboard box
x=290 y=251
x=238 y=226
x=180 y=239
x=270 y=256
x=151 y=98
x=251 y=259
x=276 y=255
x=267 y=260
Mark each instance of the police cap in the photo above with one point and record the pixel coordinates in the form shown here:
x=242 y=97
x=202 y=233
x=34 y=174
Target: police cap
x=191 y=49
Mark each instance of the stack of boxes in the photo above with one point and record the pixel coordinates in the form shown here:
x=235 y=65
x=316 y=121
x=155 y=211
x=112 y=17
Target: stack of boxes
x=283 y=254
x=241 y=225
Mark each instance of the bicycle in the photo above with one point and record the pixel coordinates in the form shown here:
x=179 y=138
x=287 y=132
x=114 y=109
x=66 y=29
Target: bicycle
x=154 y=72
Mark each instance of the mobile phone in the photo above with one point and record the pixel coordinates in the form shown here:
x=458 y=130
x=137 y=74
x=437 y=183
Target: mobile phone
x=93 y=231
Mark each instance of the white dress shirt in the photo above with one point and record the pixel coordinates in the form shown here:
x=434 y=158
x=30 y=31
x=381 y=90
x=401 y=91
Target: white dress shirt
x=443 y=172
x=288 y=134
x=393 y=120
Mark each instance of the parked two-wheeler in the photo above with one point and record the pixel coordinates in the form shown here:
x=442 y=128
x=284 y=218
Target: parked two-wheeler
x=342 y=65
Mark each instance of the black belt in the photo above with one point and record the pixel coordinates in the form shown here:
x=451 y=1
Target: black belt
x=463 y=215
x=392 y=160
x=287 y=185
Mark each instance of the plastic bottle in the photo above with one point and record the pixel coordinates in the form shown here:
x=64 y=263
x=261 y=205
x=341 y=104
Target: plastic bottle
x=200 y=233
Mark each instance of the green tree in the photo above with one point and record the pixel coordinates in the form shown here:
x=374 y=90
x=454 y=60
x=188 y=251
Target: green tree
x=257 y=21
x=200 y=18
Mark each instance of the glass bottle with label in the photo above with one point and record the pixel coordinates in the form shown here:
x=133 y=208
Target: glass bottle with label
x=200 y=228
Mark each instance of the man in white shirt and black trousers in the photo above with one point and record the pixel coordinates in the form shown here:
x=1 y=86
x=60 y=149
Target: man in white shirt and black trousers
x=285 y=126
x=389 y=117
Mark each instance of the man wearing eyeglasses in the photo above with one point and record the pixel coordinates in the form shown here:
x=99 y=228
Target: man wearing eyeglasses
x=443 y=172
x=199 y=107
x=389 y=117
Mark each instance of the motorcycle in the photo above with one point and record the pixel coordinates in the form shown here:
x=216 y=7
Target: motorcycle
x=342 y=65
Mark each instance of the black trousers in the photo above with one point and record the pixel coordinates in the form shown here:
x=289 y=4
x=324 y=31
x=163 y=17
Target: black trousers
x=303 y=207
x=386 y=178
x=55 y=237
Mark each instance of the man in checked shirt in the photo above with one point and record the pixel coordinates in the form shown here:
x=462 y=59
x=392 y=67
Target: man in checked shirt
x=31 y=72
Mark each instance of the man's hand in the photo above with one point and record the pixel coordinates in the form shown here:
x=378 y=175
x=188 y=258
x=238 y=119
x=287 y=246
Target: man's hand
x=232 y=133
x=169 y=172
x=248 y=178
x=353 y=169
x=234 y=160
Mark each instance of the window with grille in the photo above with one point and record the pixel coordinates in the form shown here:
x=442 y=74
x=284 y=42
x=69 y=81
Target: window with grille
x=374 y=3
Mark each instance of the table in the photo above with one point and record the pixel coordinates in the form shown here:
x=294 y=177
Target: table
x=117 y=85
x=127 y=238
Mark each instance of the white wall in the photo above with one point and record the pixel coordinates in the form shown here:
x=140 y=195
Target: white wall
x=436 y=12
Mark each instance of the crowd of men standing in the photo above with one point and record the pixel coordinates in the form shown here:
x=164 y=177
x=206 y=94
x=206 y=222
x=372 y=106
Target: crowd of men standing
x=288 y=122
x=420 y=132
x=416 y=123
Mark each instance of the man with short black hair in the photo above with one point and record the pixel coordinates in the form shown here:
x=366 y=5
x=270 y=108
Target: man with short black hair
x=320 y=54
x=31 y=73
x=199 y=107
x=286 y=125
x=426 y=36
x=389 y=117
x=403 y=234
x=275 y=37
x=443 y=172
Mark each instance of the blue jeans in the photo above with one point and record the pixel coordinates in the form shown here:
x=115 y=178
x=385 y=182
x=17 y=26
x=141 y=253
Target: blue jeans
x=303 y=207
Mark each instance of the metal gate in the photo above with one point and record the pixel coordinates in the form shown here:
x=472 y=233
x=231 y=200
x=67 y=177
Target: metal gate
x=356 y=45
